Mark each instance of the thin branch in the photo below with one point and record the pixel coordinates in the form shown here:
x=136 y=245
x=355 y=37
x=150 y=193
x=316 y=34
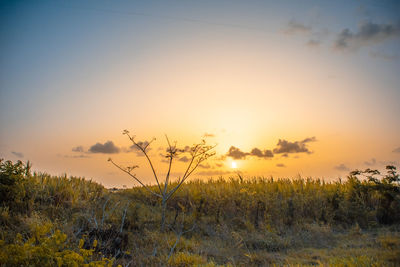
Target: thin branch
x=147 y=157
x=148 y=143
x=194 y=154
x=169 y=166
x=94 y=220
x=154 y=172
x=134 y=177
x=104 y=212
x=112 y=210
x=170 y=193
x=174 y=246
x=191 y=229
x=123 y=218
x=204 y=156
x=188 y=167
x=179 y=235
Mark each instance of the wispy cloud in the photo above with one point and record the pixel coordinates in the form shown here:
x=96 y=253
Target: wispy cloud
x=384 y=56
x=81 y=156
x=214 y=172
x=18 y=154
x=219 y=157
x=184 y=159
x=281 y=165
x=219 y=165
x=209 y=135
x=78 y=149
x=313 y=43
x=164 y=160
x=372 y=162
x=341 y=167
x=295 y=27
x=205 y=166
x=314 y=34
x=396 y=150
x=388 y=163
x=106 y=148
x=368 y=33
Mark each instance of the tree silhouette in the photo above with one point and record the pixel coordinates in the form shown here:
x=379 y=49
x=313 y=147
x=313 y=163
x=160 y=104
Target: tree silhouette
x=199 y=153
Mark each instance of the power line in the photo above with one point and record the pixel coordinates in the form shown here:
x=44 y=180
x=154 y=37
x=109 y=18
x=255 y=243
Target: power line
x=164 y=17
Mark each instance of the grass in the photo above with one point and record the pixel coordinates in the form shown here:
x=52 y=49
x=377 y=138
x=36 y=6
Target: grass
x=69 y=221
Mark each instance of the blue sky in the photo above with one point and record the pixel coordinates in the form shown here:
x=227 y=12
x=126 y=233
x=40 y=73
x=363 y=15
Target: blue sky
x=78 y=72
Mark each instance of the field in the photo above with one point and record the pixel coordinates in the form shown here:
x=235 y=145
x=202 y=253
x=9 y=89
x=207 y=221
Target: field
x=237 y=221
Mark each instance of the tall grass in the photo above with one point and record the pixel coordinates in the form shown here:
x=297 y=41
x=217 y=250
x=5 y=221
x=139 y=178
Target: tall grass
x=64 y=221
x=280 y=203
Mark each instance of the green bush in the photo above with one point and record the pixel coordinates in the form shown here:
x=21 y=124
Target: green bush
x=44 y=248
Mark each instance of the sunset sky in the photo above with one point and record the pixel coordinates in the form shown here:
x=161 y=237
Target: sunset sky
x=284 y=88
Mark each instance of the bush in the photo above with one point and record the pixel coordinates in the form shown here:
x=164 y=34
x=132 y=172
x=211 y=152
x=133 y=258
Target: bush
x=44 y=248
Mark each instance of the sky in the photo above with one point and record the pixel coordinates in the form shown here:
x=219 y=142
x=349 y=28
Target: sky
x=282 y=88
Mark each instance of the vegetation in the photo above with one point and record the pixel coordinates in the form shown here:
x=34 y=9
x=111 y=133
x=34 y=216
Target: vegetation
x=198 y=154
x=69 y=221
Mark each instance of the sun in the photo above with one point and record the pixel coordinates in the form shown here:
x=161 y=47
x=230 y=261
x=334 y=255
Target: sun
x=234 y=165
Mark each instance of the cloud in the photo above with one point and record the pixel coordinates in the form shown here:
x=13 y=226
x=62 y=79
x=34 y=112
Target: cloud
x=106 y=148
x=370 y=163
x=384 y=56
x=309 y=139
x=82 y=156
x=184 y=159
x=368 y=33
x=281 y=165
x=341 y=167
x=214 y=172
x=205 y=166
x=261 y=154
x=385 y=163
x=219 y=157
x=256 y=152
x=388 y=163
x=77 y=149
x=285 y=146
x=362 y=10
x=313 y=43
x=396 y=150
x=18 y=154
x=164 y=160
x=294 y=27
x=142 y=144
x=209 y=135
x=186 y=149
x=236 y=153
